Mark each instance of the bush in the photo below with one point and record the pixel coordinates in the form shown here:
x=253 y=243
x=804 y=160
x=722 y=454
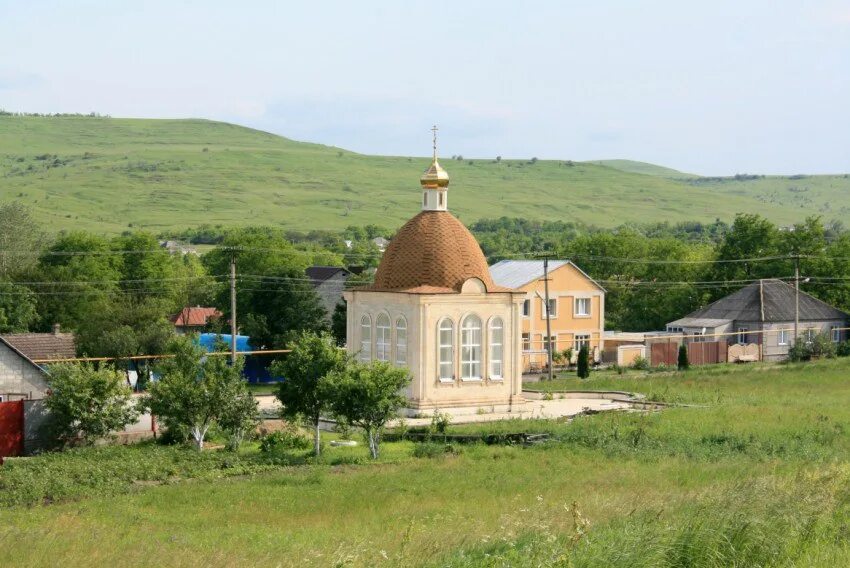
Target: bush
x=87 y=404
x=289 y=439
x=640 y=364
x=820 y=346
x=440 y=422
x=432 y=450
x=683 y=364
x=583 y=363
x=843 y=349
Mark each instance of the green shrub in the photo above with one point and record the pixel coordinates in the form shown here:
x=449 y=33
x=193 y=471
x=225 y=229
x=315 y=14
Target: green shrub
x=432 y=450
x=583 y=363
x=289 y=439
x=640 y=364
x=683 y=364
x=440 y=422
x=843 y=349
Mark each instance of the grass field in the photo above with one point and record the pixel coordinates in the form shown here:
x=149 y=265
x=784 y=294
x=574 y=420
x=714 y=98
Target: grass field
x=756 y=474
x=110 y=174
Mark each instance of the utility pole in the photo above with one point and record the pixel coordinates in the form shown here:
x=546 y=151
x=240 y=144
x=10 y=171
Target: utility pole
x=548 y=316
x=796 y=297
x=233 y=307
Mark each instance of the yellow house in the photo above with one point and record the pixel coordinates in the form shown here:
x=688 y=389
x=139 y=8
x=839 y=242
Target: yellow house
x=577 y=304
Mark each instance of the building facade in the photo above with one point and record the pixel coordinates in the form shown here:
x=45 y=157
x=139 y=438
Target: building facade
x=434 y=309
x=576 y=303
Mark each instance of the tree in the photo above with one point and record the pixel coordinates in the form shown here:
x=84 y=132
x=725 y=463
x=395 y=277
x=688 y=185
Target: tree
x=195 y=390
x=583 y=363
x=339 y=323
x=283 y=303
x=367 y=395
x=239 y=416
x=313 y=357
x=683 y=363
x=17 y=308
x=21 y=240
x=87 y=403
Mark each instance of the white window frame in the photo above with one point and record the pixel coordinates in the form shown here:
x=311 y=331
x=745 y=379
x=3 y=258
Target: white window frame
x=526 y=341
x=526 y=308
x=578 y=314
x=383 y=337
x=443 y=347
x=581 y=338
x=554 y=337
x=366 y=338
x=470 y=365
x=835 y=333
x=554 y=312
x=782 y=338
x=496 y=339
x=401 y=341
x=742 y=335
x=809 y=335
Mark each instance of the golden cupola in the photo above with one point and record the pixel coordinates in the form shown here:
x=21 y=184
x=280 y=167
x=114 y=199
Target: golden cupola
x=435 y=177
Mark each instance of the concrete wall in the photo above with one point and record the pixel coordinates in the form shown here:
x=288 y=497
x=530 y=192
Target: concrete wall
x=423 y=314
x=18 y=377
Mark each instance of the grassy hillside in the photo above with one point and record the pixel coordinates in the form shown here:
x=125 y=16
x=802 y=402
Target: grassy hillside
x=754 y=474
x=635 y=167
x=109 y=174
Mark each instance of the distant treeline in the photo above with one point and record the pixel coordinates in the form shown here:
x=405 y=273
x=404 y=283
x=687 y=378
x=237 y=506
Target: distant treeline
x=4 y=112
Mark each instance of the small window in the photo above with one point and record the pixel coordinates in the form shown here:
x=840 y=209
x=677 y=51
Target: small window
x=742 y=336
x=809 y=335
x=526 y=308
x=526 y=342
x=441 y=198
x=446 y=348
x=382 y=338
x=496 y=348
x=582 y=307
x=401 y=341
x=425 y=199
x=782 y=337
x=553 y=308
x=553 y=340
x=581 y=340
x=836 y=334
x=366 y=338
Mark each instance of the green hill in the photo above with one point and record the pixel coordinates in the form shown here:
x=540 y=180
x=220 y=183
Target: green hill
x=109 y=174
x=635 y=167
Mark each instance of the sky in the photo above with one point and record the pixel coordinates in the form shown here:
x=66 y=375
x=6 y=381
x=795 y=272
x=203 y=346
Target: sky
x=715 y=87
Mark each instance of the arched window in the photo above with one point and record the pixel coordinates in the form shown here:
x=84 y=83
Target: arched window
x=365 y=338
x=497 y=330
x=401 y=341
x=447 y=350
x=470 y=348
x=382 y=337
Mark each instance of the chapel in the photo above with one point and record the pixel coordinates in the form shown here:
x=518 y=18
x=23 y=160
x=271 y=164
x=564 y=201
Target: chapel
x=434 y=309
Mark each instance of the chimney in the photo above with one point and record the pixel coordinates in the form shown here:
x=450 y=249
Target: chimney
x=55 y=329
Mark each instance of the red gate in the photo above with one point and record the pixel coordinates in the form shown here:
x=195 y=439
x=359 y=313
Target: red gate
x=707 y=353
x=11 y=428
x=665 y=353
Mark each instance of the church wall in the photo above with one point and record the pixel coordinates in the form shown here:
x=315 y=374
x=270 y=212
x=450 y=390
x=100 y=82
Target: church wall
x=424 y=314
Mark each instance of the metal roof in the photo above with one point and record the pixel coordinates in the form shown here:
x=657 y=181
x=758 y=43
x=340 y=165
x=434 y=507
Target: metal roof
x=518 y=273
x=770 y=301
x=698 y=322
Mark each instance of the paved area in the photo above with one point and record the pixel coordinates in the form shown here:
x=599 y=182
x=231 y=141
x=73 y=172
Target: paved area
x=556 y=408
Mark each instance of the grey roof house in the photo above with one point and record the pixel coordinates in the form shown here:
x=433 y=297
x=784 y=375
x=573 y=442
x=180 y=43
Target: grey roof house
x=763 y=312
x=329 y=283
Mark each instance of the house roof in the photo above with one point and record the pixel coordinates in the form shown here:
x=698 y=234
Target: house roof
x=194 y=316
x=319 y=274
x=42 y=346
x=518 y=273
x=770 y=301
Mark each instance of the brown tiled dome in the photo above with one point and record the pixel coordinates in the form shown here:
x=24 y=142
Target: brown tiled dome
x=431 y=253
